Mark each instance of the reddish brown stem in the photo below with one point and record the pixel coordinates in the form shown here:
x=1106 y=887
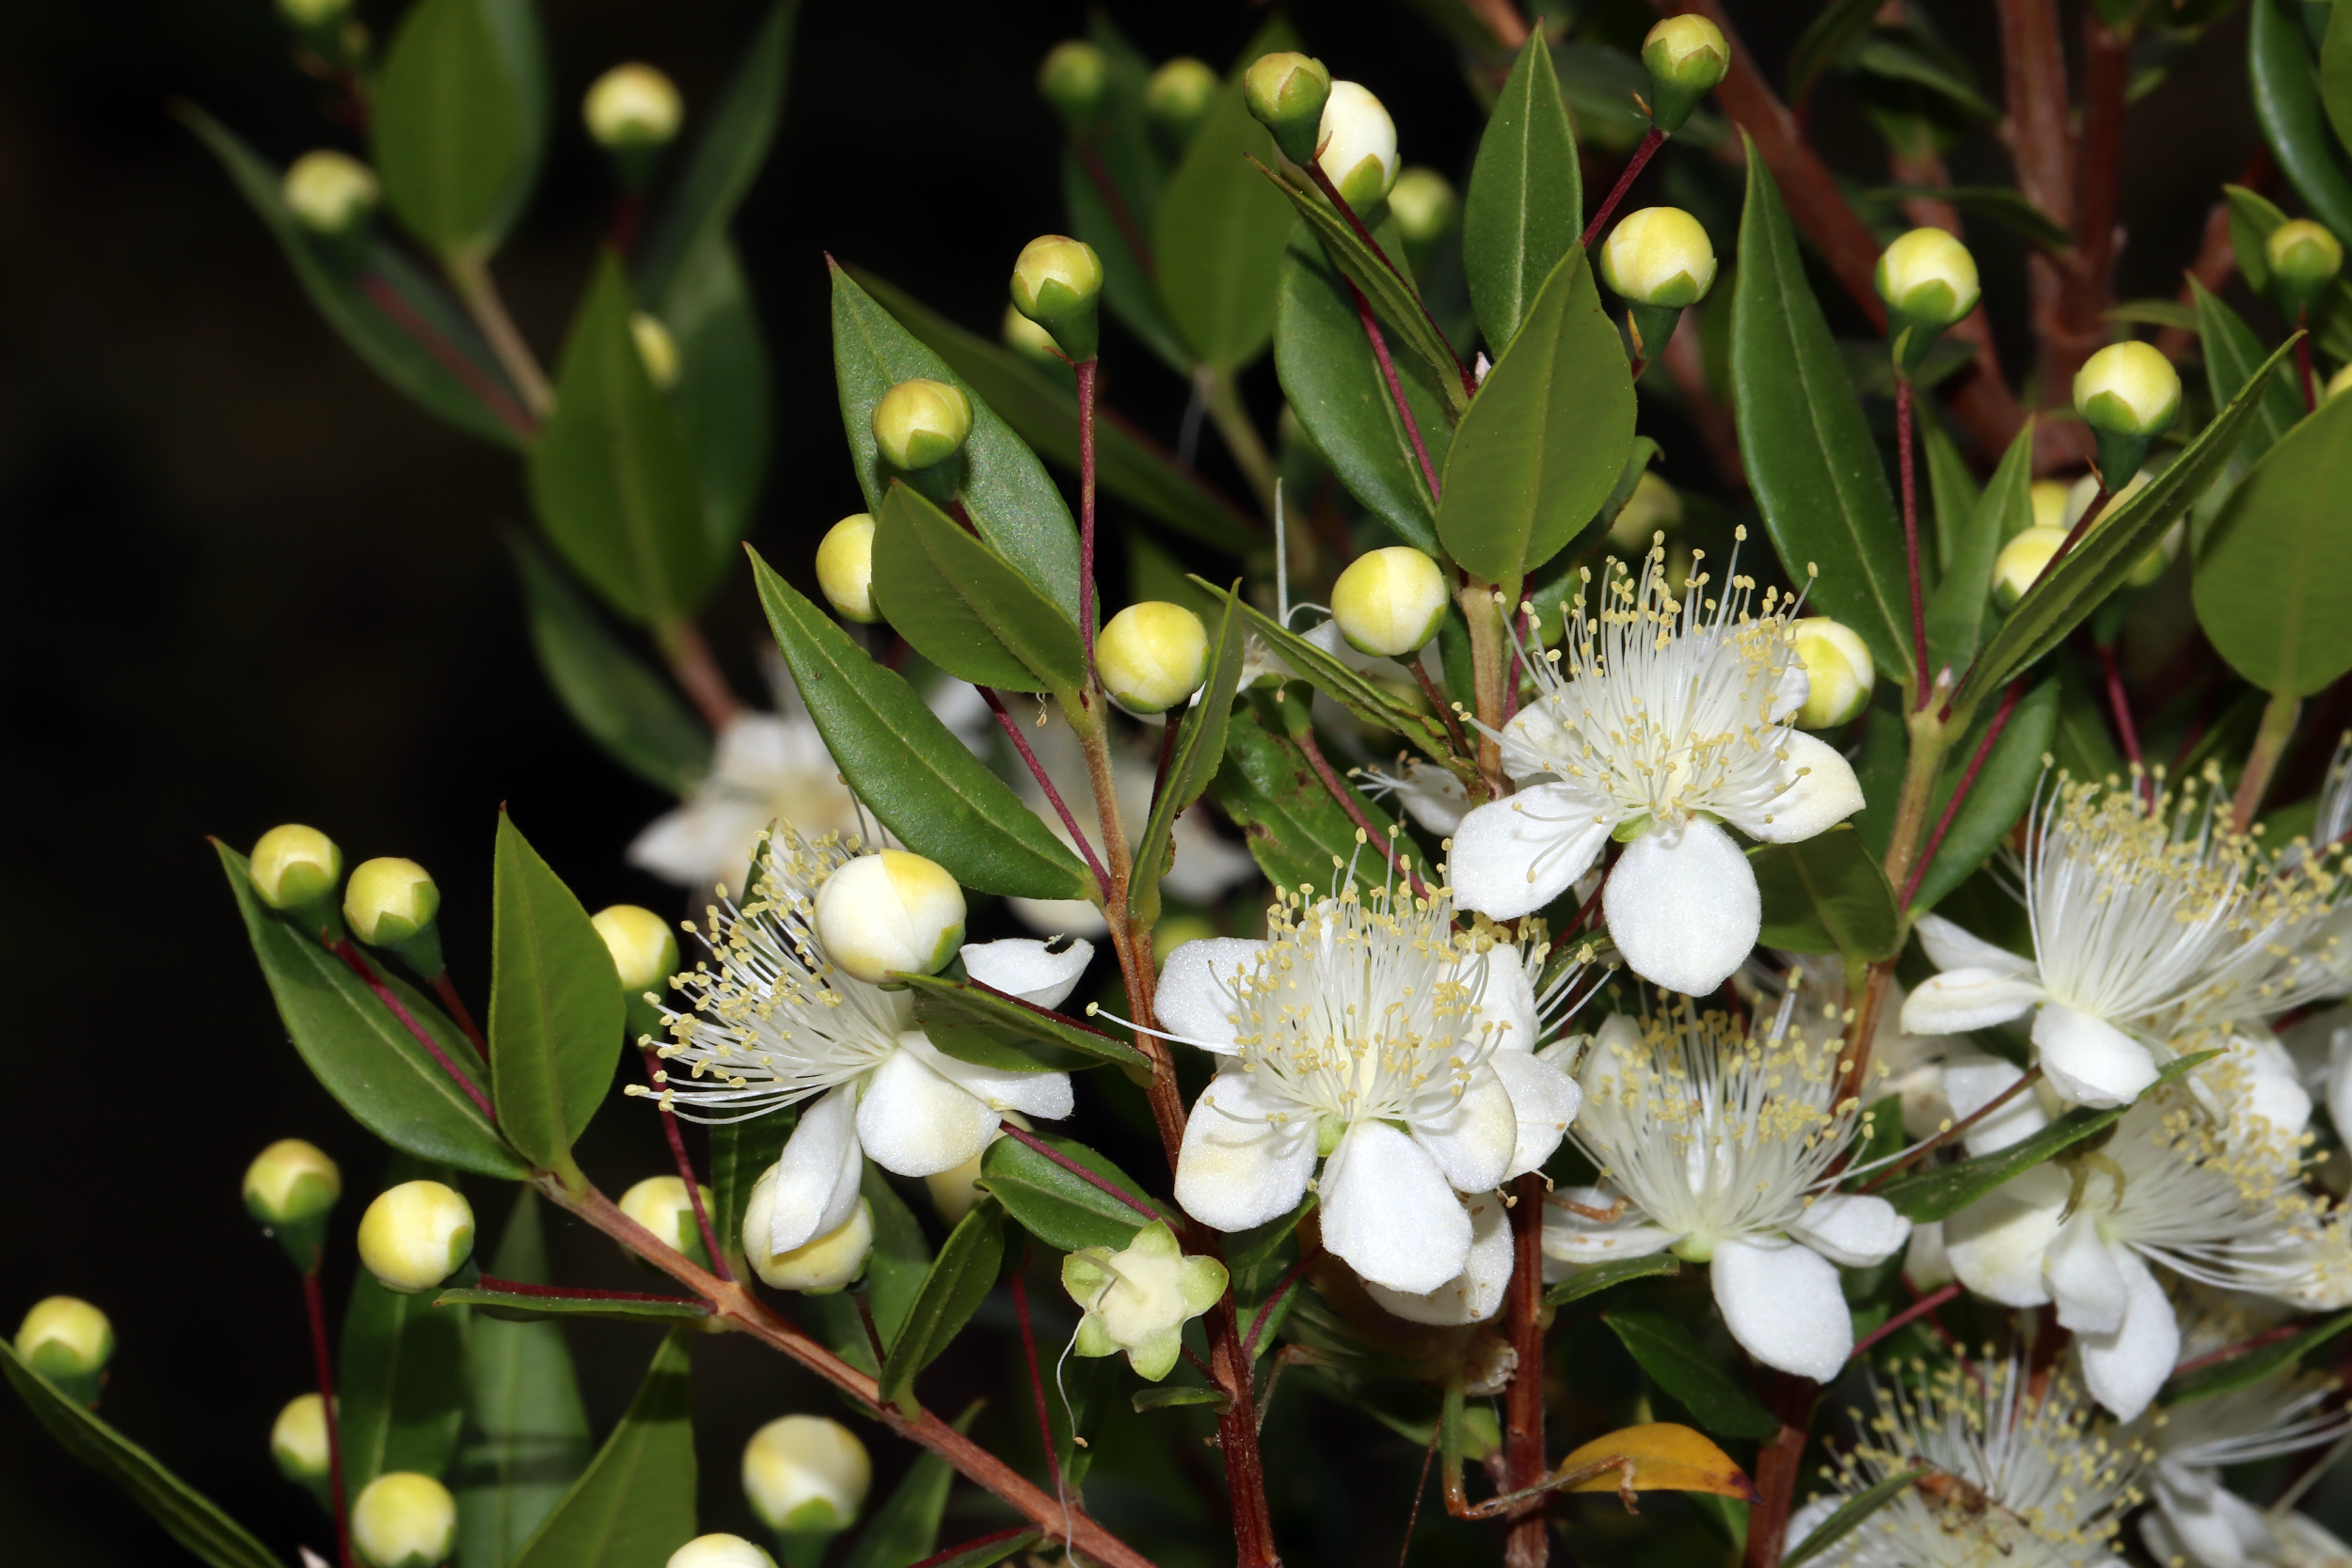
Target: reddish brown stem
x=1777 y=1459
x=314 y=1305
x=1967 y=780
x=1957 y=1130
x=2231 y=1352
x=1022 y=1135
x=2119 y=703
x=1346 y=798
x=629 y=211
x=452 y=359
x=1086 y=375
x=571 y=1293
x=696 y=671
x=456 y=1006
x=1529 y=1543
x=1036 y=1382
x=1643 y=152
x=1282 y=1288
x=686 y=1172
x=1905 y=1318
x=1910 y=535
x=343 y=949
x=1036 y=770
x=1099 y=177
x=1396 y=386
x=2073 y=537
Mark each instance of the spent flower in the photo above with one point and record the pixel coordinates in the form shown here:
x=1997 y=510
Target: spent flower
x=1138 y=1298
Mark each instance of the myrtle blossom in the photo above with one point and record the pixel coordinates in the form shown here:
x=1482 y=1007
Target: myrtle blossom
x=1658 y=721
x=1722 y=1148
x=774 y=1023
x=1476 y=1293
x=1368 y=1032
x=2196 y=1518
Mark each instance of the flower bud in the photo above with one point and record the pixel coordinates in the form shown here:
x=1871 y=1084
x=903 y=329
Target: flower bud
x=297 y=1440
x=1286 y=91
x=2020 y=561
x=805 y=1474
x=294 y=867
x=661 y=1205
x=1686 y=55
x=291 y=1181
x=1074 y=80
x=1838 y=673
x=1358 y=145
x=1389 y=602
x=2304 y=258
x=389 y=902
x=1657 y=256
x=2128 y=388
x=404 y=1520
x=2050 y=499
x=632 y=106
x=656 y=350
x=1929 y=276
x=415 y=1235
x=889 y=912
x=1178 y=99
x=643 y=948
x=719 y=1551
x=817 y=1267
x=1653 y=506
x=68 y=1342
x=1424 y=203
x=920 y=421
x=1152 y=656
x=1028 y=340
x=845 y=567
x=1057 y=283
x=329 y=192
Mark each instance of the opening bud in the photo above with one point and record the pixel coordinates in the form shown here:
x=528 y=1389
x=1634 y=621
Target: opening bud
x=1178 y=99
x=2304 y=258
x=1152 y=656
x=294 y=867
x=1929 y=281
x=1056 y=282
x=390 y=902
x=806 y=1475
x=1073 y=79
x=661 y=1205
x=1686 y=57
x=415 y=1235
x=1028 y=340
x=817 y=1267
x=68 y=1342
x=632 y=106
x=721 y=1551
x=2021 y=561
x=2129 y=394
x=332 y=193
x=920 y=421
x=656 y=350
x=1653 y=506
x=1286 y=91
x=1389 y=602
x=404 y=1520
x=1357 y=145
x=290 y=1189
x=890 y=912
x=845 y=567
x=1838 y=673
x=1425 y=206
x=297 y=1440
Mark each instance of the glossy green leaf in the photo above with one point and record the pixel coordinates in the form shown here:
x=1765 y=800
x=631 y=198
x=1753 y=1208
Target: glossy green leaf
x=457 y=119
x=1170 y=1396
x=1675 y=1363
x=1994 y=204
x=1199 y=747
x=964 y=606
x=400 y=1377
x=1130 y=290
x=2254 y=1366
x=722 y=394
x=901 y=1258
x=188 y=1515
x=1617 y=1271
x=1525 y=206
x=1849 y=1515
x=983 y=1551
x=612 y=476
x=1219 y=234
x=2293 y=117
x=634 y=1505
x=1952 y=493
x=961 y=1278
x=1370 y=702
x=1299 y=835
x=740 y=1153
x=2275 y=570
x=1057 y=1206
x=2252 y=219
x=1811 y=462
x=1904 y=57
x=1827 y=895
x=905 y=1529
x=2233 y=353
x=1405 y=326
x=555 y=1007
x=991 y=1030
x=728 y=154
x=363 y=1054
x=2003 y=790
x=1005 y=491
x=526 y=1306
x=1961 y=606
x=2154 y=312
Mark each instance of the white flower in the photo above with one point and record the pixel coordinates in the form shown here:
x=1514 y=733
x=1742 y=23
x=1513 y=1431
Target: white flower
x=1476 y=1293
x=776 y=1023
x=1910 y=1066
x=1667 y=719
x=1435 y=796
x=1720 y=1147
x=2143 y=933
x=1370 y=1030
x=2197 y=1517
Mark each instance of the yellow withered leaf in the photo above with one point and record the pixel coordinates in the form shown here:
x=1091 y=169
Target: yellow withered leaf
x=1666 y=1458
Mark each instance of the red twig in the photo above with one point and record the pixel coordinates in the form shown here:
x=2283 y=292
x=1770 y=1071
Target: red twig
x=1099 y=177
x=2120 y=701
x=1905 y=1318
x=456 y=1006
x=1651 y=141
x=1036 y=770
x=453 y=358
x=1037 y=1380
x=1346 y=798
x=2231 y=1352
x=343 y=949
x=685 y=1173
x=1396 y=386
x=1012 y=1532
x=315 y=1305
x=1967 y=780
x=1086 y=370
x=1282 y=1288
x=1066 y=1163
x=1910 y=535
x=1338 y=203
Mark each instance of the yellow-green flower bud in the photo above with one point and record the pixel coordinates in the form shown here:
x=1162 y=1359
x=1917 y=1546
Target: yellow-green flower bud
x=1686 y=57
x=656 y=350
x=2019 y=564
x=643 y=948
x=920 y=421
x=1659 y=256
x=312 y=13
x=1286 y=91
x=1358 y=145
x=1152 y=656
x=1057 y=282
x=2304 y=258
x=2339 y=381
x=806 y=1475
x=297 y=1440
x=661 y=1205
x=415 y=1235
x=2050 y=498
x=66 y=1339
x=1138 y=1299
x=817 y=1267
x=889 y=912
x=290 y=1188
x=1028 y=340
x=1389 y=602
x=719 y=1551
x=2128 y=388
x=389 y=901
x=1653 y=506
x=1178 y=99
x=294 y=867
x=845 y=568
x=632 y=105
x=1838 y=673
x=1073 y=79
x=954 y=1192
x=1927 y=276
x=1425 y=206
x=404 y=1520
x=329 y=192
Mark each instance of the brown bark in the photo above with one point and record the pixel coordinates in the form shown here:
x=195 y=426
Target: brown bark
x=1529 y=1544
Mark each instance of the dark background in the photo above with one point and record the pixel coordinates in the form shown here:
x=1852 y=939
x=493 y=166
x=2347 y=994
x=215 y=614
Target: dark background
x=245 y=583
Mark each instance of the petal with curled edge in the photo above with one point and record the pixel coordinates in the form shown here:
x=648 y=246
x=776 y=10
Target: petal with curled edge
x=1997 y=1244
x=1043 y=973
x=1246 y=1156
x=917 y=1122
x=2086 y=1277
x=1512 y=857
x=2124 y=1369
x=1959 y=1000
x=1821 y=791
x=1851 y=1229
x=1666 y=1458
x=1579 y=1239
x=1471 y=1135
x=816 y=1175
x=1682 y=906
x=1388 y=1213
x=2089 y=1060
x=1952 y=946
x=1475 y=1294
x=1196 y=1000
x=1544 y=1101
x=1783 y=1304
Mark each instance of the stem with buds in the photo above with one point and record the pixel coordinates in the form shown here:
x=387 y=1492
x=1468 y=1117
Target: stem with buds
x=1651 y=141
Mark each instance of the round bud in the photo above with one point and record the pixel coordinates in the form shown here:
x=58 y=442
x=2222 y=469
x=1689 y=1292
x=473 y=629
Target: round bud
x=719 y=1551
x=415 y=1235
x=1389 y=602
x=1659 y=256
x=2020 y=561
x=661 y=1205
x=1057 y=281
x=297 y=1439
x=404 y=1520
x=329 y=192
x=805 y=1473
x=390 y=900
x=1929 y=278
x=1686 y=57
x=2304 y=258
x=290 y=1181
x=1286 y=91
x=845 y=568
x=294 y=867
x=1152 y=656
x=1653 y=505
x=2051 y=499
x=655 y=349
x=632 y=106
x=1074 y=80
x=2337 y=382
x=2129 y=390
x=1358 y=142
x=890 y=912
x=66 y=1337
x=1838 y=673
x=1425 y=205
x=643 y=948
x=312 y=13
x=1178 y=99
x=817 y=1267
x=1028 y=340
x=920 y=421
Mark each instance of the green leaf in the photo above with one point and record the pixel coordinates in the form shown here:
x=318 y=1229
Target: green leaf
x=2254 y=1366
x=1617 y=1271
x=1219 y=236
x=991 y=1030
x=1526 y=199
x=1299 y=835
x=1849 y=1515
x=2288 y=104
x=1824 y=38
x=1677 y=1364
x=2253 y=217
x=2274 y=571
x=722 y=394
x=525 y=1438
x=1168 y=1396
x=1005 y=491
x=908 y=768
x=458 y=121
x=959 y=1280
x=555 y=1007
x=190 y=1518
x=901 y=1258
x=1953 y=495
x=964 y=606
x=1811 y=462
x=612 y=476
x=1199 y=747
x=1129 y=289
x=526 y=1306
x=740 y=1154
x=1372 y=703
x=1826 y=895
x=2154 y=312
x=2003 y=789
x=1600 y=83
x=634 y=1505
x=1971 y=542
x=1902 y=55
x=2233 y=353
x=1057 y=1206
x=364 y=1055
x=728 y=156
x=983 y=1551
x=905 y=1529
x=399 y=1379
x=1541 y=445
x=1994 y=204
x=1387 y=288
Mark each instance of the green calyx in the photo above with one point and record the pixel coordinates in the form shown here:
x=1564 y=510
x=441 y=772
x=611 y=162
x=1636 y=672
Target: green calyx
x=2120 y=458
x=1286 y=91
x=1649 y=327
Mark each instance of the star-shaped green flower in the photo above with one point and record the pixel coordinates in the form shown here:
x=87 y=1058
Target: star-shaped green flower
x=1137 y=1300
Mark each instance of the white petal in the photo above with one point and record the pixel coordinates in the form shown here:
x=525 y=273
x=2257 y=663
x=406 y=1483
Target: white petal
x=1683 y=908
x=916 y=1122
x=2123 y=1370
x=1387 y=1212
x=1782 y=1302
x=1544 y=1101
x=1513 y=857
x=1924 y=1261
x=816 y=1175
x=708 y=839
x=1959 y=1000
x=1851 y=1229
x=2085 y=1277
x=1207 y=863
x=1507 y=1004
x=2210 y=1522
x=1951 y=946
x=1041 y=973
x=1821 y=792
x=1056 y=917
x=1471 y=1135
x=2340 y=1085
x=1972 y=1081
x=1237 y=1169
x=1997 y=1243
x=1038 y=1094
x=1617 y=1051
x=1196 y=999
x=2307 y=1543
x=1476 y=1293
x=1788 y=693
x=1577 y=1240
x=2089 y=1060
